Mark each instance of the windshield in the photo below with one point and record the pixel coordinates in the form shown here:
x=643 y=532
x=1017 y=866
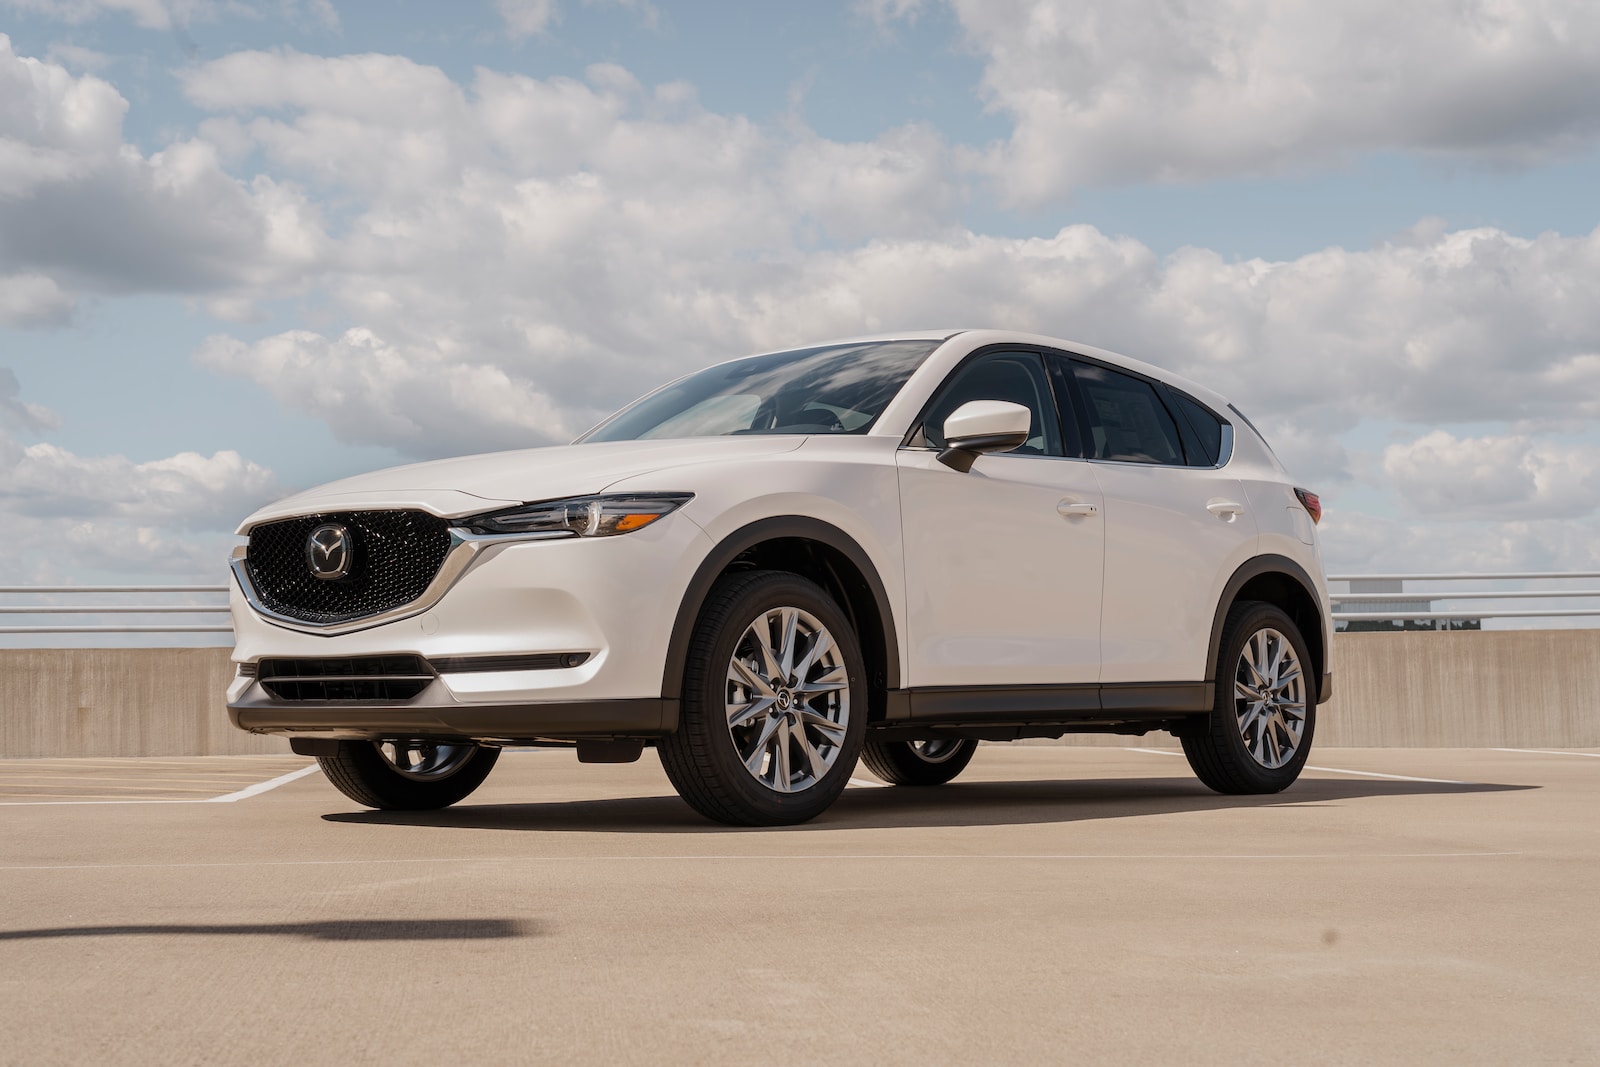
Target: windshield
x=837 y=389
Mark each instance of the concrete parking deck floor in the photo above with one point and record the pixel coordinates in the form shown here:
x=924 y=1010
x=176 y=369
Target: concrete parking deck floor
x=1055 y=903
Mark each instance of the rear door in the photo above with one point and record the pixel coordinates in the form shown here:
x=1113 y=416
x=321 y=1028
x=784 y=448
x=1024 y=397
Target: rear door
x=1177 y=525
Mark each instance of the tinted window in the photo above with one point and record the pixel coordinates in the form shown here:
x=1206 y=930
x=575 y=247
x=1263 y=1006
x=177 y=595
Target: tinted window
x=1207 y=427
x=1127 y=419
x=1014 y=376
x=838 y=389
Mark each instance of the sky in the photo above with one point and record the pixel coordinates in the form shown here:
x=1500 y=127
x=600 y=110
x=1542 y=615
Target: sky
x=248 y=246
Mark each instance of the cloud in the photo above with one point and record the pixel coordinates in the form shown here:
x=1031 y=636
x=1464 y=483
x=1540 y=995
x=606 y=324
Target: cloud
x=1111 y=91
x=33 y=300
x=1357 y=543
x=524 y=18
x=149 y=14
x=64 y=513
x=367 y=390
x=83 y=211
x=173 y=14
x=1511 y=477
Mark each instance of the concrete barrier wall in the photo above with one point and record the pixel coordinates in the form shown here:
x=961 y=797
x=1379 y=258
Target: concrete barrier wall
x=120 y=702
x=1516 y=688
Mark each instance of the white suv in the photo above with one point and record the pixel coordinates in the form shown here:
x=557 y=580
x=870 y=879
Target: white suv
x=886 y=549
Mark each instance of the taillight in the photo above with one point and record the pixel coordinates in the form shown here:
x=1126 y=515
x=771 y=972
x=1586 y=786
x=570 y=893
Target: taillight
x=1312 y=502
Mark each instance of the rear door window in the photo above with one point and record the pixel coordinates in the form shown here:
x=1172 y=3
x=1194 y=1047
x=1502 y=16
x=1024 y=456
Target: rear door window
x=1126 y=419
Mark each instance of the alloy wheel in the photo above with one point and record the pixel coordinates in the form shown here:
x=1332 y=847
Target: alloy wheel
x=1270 y=698
x=788 y=699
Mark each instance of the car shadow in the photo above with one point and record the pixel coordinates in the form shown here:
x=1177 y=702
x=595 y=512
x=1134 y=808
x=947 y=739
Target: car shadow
x=332 y=930
x=957 y=804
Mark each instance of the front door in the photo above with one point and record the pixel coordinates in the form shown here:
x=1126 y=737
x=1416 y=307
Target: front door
x=1003 y=562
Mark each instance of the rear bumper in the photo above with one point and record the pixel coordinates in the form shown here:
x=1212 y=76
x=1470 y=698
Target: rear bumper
x=650 y=717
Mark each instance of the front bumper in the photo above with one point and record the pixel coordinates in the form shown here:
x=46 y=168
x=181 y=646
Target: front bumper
x=611 y=600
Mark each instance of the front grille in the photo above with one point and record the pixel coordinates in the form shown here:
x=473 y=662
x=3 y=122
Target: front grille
x=346 y=678
x=395 y=554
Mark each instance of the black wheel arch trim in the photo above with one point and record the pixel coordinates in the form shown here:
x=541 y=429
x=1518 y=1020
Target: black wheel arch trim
x=1255 y=567
x=778 y=527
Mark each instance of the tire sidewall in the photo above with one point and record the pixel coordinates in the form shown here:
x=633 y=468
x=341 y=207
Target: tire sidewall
x=710 y=706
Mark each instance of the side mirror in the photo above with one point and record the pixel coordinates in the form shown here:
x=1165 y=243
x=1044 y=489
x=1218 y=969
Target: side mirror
x=981 y=426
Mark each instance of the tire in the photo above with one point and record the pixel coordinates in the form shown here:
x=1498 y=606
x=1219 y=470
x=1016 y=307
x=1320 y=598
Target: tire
x=759 y=764
x=918 y=762
x=1248 y=745
x=413 y=775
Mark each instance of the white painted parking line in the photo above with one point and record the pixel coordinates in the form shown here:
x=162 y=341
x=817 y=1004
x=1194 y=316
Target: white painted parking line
x=1548 y=752
x=1338 y=770
x=869 y=783
x=229 y=798
x=262 y=787
x=1394 y=777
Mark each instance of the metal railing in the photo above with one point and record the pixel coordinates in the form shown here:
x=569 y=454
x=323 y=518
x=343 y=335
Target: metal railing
x=1398 y=613
x=74 y=593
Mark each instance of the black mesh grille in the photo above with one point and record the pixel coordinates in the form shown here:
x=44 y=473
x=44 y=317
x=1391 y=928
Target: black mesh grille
x=351 y=678
x=395 y=555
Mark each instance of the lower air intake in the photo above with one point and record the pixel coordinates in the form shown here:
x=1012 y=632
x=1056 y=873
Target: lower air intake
x=346 y=679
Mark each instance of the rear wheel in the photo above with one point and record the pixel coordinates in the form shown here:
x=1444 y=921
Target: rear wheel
x=932 y=762
x=1258 y=735
x=774 y=703
x=408 y=775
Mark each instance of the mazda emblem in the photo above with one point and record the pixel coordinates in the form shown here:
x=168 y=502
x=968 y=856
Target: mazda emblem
x=329 y=552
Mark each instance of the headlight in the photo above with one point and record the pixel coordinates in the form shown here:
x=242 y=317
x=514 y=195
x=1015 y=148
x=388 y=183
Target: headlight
x=583 y=516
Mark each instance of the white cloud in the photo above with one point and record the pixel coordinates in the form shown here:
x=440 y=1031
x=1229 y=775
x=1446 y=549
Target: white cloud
x=367 y=390
x=1356 y=543
x=150 y=14
x=174 y=14
x=1509 y=477
x=524 y=18
x=1107 y=91
x=64 y=513
x=82 y=211
x=33 y=300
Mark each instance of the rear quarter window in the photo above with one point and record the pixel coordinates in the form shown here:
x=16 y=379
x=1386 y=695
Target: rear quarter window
x=1207 y=428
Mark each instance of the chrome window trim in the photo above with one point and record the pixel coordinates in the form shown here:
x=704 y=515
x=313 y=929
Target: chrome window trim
x=465 y=547
x=1224 y=455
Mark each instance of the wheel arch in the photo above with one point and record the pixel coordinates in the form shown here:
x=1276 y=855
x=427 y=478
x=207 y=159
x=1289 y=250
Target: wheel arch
x=1283 y=583
x=819 y=551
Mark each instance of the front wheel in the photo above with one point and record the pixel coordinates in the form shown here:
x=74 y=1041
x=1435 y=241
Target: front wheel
x=932 y=762
x=408 y=775
x=1258 y=735
x=774 y=703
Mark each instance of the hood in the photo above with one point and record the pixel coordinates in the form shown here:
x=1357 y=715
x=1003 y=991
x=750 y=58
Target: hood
x=469 y=485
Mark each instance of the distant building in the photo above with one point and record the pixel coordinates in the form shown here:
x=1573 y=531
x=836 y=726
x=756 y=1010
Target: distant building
x=1400 y=607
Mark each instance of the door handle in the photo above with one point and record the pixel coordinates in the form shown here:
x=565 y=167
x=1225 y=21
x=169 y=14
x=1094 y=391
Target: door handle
x=1070 y=508
x=1225 y=509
